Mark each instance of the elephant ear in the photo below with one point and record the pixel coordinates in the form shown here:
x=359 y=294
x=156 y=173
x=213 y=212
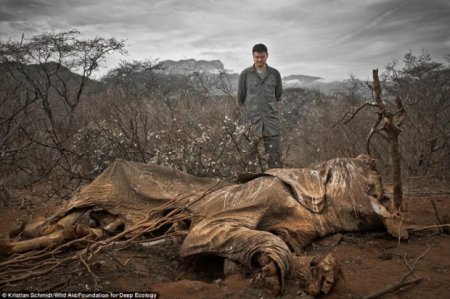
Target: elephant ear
x=308 y=186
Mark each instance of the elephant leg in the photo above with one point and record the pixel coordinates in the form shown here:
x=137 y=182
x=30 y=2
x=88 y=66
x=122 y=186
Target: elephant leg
x=263 y=253
x=47 y=235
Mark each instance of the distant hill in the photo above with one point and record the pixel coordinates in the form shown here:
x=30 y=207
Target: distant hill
x=51 y=70
x=55 y=85
x=301 y=78
x=308 y=82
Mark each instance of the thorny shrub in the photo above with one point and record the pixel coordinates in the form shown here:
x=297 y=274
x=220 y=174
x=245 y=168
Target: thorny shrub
x=203 y=138
x=99 y=147
x=194 y=124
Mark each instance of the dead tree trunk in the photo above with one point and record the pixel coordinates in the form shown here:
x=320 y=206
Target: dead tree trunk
x=395 y=158
x=387 y=126
x=391 y=127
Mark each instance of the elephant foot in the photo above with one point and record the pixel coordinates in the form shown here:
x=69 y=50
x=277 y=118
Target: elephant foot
x=268 y=277
x=316 y=275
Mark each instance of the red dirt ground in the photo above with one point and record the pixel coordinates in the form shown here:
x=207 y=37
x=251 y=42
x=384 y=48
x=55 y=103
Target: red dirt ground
x=370 y=261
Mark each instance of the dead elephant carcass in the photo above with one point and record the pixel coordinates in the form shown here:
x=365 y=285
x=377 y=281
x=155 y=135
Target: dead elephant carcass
x=260 y=225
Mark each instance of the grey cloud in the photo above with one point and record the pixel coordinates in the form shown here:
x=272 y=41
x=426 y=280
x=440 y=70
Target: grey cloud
x=325 y=38
x=6 y=16
x=24 y=5
x=414 y=19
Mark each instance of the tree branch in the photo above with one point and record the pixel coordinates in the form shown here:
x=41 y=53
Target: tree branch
x=354 y=113
x=372 y=132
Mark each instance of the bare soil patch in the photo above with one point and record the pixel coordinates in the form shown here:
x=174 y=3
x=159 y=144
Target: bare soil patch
x=370 y=261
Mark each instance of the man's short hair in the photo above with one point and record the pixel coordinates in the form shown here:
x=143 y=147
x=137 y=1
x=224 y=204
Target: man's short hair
x=260 y=48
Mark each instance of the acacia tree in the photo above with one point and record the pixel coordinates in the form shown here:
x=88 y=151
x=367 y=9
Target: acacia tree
x=47 y=76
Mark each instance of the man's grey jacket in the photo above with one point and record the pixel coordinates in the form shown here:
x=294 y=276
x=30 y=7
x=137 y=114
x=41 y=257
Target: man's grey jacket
x=259 y=96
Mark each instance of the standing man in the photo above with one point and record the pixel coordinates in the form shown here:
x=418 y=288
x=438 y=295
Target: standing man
x=259 y=90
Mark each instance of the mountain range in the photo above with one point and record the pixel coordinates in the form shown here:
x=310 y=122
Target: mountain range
x=187 y=66
x=216 y=67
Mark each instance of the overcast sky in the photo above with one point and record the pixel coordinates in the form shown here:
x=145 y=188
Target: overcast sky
x=327 y=38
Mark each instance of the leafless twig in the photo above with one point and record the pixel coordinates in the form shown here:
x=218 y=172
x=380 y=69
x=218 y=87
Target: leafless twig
x=403 y=281
x=88 y=268
x=353 y=114
x=431 y=226
x=438 y=220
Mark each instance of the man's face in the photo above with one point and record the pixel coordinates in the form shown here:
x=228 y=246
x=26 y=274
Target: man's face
x=260 y=58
